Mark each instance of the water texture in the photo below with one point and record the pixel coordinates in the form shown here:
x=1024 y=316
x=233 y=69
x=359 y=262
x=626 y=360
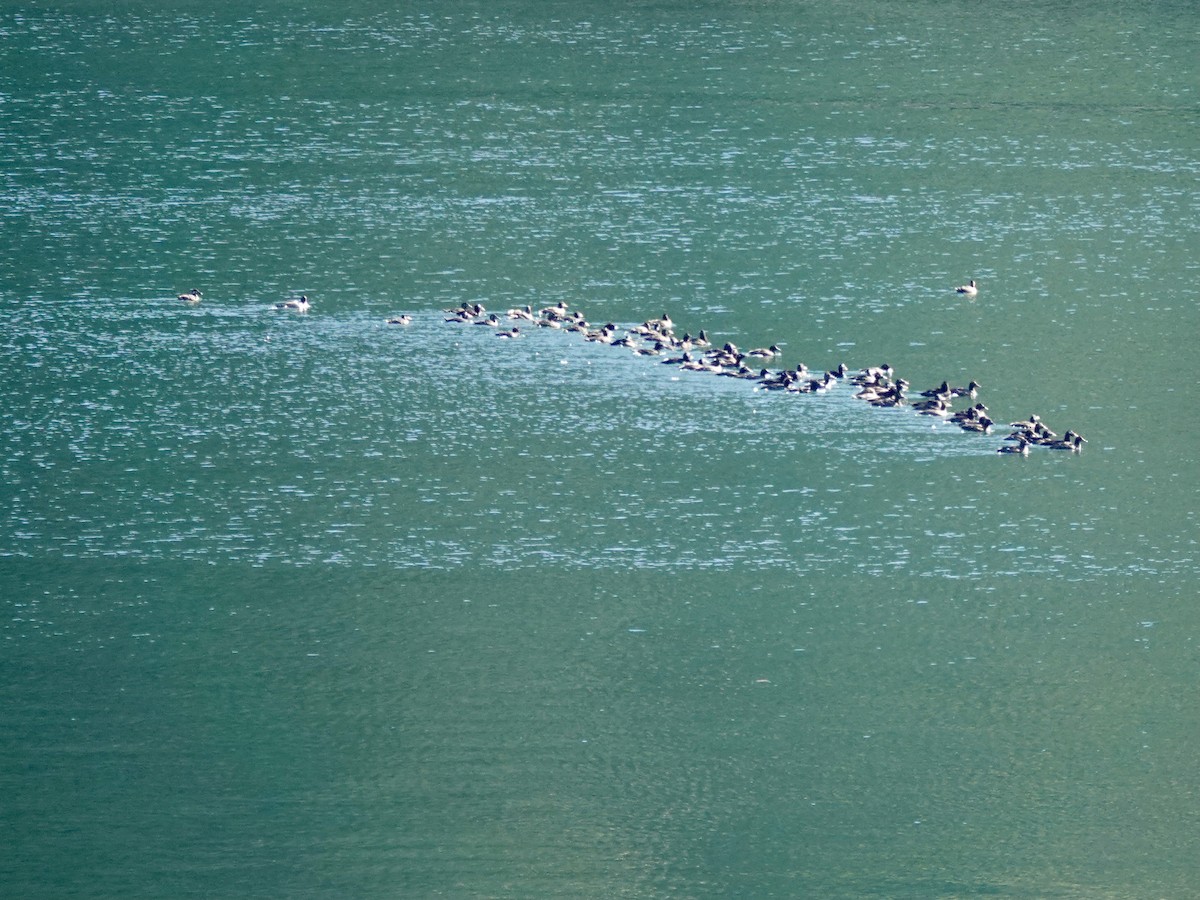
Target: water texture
x=314 y=605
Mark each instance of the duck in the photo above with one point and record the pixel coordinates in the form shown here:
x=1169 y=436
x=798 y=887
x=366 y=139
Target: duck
x=934 y=407
x=971 y=390
x=872 y=392
x=764 y=352
x=702 y=366
x=525 y=312
x=970 y=288
x=515 y=332
x=982 y=425
x=1021 y=448
x=678 y=360
x=873 y=375
x=296 y=304
x=575 y=323
x=729 y=355
x=1070 y=441
x=742 y=371
x=663 y=324
x=944 y=392
x=557 y=311
x=893 y=397
x=192 y=296
x=400 y=320
x=605 y=335
x=972 y=414
x=465 y=313
x=819 y=385
x=776 y=381
x=1031 y=429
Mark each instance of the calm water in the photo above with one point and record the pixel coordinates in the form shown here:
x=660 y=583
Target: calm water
x=310 y=605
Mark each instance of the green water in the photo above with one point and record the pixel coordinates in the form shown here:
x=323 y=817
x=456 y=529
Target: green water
x=311 y=605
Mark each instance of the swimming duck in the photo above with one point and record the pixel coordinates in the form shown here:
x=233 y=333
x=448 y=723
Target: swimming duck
x=971 y=390
x=764 y=352
x=296 y=304
x=873 y=374
x=604 y=336
x=1032 y=429
x=467 y=312
x=192 y=296
x=1070 y=441
x=935 y=407
x=972 y=414
x=400 y=320
x=1021 y=448
x=982 y=425
x=970 y=288
x=776 y=381
x=525 y=313
x=663 y=324
x=729 y=355
x=742 y=371
x=515 y=332
x=943 y=393
x=575 y=323
x=872 y=392
x=893 y=397
x=796 y=385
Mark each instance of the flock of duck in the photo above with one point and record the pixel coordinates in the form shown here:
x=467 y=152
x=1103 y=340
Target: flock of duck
x=295 y=304
x=876 y=385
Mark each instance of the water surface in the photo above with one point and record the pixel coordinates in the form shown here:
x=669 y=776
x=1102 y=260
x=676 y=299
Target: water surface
x=314 y=605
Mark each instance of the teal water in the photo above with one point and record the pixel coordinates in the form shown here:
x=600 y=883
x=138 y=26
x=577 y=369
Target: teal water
x=311 y=605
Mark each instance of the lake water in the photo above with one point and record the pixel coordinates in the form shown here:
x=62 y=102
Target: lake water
x=307 y=605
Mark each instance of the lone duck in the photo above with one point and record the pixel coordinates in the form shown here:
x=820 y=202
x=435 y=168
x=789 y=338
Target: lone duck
x=297 y=304
x=192 y=296
x=970 y=288
x=400 y=320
